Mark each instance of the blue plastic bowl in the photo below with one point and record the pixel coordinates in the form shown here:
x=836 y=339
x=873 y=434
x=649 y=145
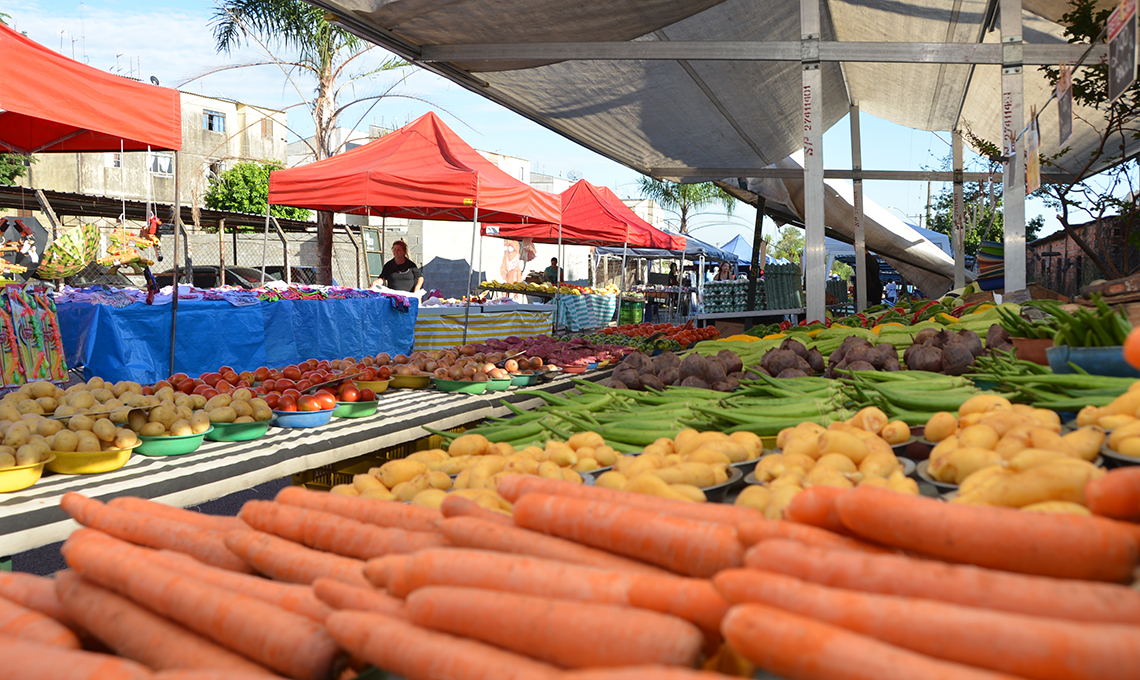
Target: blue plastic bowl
x=1095 y=360
x=302 y=418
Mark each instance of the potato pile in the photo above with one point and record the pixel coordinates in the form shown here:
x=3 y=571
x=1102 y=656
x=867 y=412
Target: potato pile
x=681 y=467
x=1121 y=418
x=1013 y=455
x=478 y=465
x=29 y=436
x=175 y=414
x=846 y=454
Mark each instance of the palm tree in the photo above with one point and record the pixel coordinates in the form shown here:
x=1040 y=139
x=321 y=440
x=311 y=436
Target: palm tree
x=684 y=199
x=318 y=51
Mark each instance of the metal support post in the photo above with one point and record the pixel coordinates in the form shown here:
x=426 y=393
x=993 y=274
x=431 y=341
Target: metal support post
x=1012 y=122
x=814 y=274
x=959 y=235
x=177 y=228
x=222 y=250
x=284 y=250
x=757 y=265
x=356 y=247
x=470 y=270
x=860 y=225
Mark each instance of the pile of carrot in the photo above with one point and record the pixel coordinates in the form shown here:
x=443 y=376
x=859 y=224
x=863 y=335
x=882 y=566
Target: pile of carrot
x=586 y=584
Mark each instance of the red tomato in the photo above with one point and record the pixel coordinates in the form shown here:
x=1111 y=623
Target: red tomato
x=260 y=390
x=328 y=390
x=291 y=393
x=161 y=384
x=230 y=377
x=366 y=395
x=349 y=393
x=209 y=393
x=367 y=375
x=312 y=363
x=269 y=384
x=272 y=398
x=308 y=402
x=275 y=375
x=211 y=379
x=304 y=384
x=326 y=400
x=177 y=378
x=324 y=364
x=224 y=387
x=383 y=373
x=291 y=372
x=225 y=369
x=201 y=389
x=286 y=403
x=247 y=376
x=243 y=383
x=148 y=390
x=187 y=385
x=283 y=384
x=261 y=373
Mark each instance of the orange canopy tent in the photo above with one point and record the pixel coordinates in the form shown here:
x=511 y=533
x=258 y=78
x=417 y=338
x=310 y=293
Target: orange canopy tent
x=591 y=216
x=51 y=103
x=421 y=171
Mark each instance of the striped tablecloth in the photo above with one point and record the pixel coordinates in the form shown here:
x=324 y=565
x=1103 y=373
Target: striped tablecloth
x=578 y=312
x=32 y=518
x=441 y=331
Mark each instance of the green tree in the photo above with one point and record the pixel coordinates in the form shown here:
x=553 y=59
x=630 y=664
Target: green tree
x=790 y=245
x=842 y=270
x=684 y=199
x=982 y=214
x=11 y=165
x=321 y=53
x=245 y=188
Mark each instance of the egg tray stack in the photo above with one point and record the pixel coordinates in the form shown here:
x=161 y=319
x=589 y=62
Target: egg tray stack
x=782 y=286
x=725 y=296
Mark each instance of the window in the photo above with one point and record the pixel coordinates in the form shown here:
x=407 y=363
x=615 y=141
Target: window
x=113 y=160
x=266 y=128
x=213 y=121
x=160 y=163
x=214 y=169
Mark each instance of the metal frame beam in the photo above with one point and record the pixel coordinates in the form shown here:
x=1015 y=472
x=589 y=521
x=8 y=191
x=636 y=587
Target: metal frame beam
x=860 y=225
x=959 y=231
x=1013 y=143
x=814 y=258
x=828 y=51
x=854 y=175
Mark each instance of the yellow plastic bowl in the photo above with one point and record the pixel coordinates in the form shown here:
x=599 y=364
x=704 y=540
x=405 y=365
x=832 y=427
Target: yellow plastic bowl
x=76 y=463
x=22 y=476
x=412 y=382
x=376 y=386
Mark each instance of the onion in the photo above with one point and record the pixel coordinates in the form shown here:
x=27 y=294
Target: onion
x=536 y=362
x=469 y=371
x=479 y=356
x=467 y=350
x=488 y=367
x=383 y=359
x=400 y=359
x=430 y=366
x=511 y=365
x=441 y=373
x=456 y=372
x=404 y=369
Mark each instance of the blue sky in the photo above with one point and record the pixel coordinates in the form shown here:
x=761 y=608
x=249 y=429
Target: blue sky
x=171 y=40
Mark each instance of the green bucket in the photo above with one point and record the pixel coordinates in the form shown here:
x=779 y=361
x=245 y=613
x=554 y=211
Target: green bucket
x=355 y=409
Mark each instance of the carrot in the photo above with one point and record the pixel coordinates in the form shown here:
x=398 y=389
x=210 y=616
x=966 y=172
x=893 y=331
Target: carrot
x=471 y=532
x=752 y=533
x=383 y=572
x=799 y=648
x=513 y=487
x=340 y=595
x=283 y=641
x=34 y=592
x=207 y=674
x=154 y=532
x=532 y=625
x=959 y=584
x=681 y=545
x=692 y=599
x=641 y=673
x=402 y=649
x=198 y=519
x=1116 y=495
x=1049 y=649
x=499 y=571
x=367 y=510
x=1064 y=546
x=33 y=626
x=458 y=506
x=283 y=560
x=30 y=661
x=141 y=635
x=333 y=533
x=815 y=505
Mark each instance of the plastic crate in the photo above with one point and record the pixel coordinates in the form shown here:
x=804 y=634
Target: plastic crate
x=631 y=312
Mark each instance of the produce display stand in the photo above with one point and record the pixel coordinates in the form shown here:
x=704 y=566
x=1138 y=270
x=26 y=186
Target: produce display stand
x=32 y=517
x=443 y=327
x=579 y=312
x=133 y=342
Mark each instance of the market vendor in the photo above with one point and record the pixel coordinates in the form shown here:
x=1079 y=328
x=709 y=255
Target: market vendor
x=400 y=273
x=553 y=273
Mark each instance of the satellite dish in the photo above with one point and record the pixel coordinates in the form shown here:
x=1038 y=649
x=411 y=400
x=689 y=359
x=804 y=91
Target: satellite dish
x=153 y=80
x=574 y=175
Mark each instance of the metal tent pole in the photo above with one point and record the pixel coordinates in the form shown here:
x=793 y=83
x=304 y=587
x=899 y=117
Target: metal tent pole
x=177 y=228
x=470 y=269
x=558 y=283
x=814 y=274
x=1013 y=145
x=621 y=279
x=860 y=225
x=265 y=245
x=757 y=265
x=959 y=232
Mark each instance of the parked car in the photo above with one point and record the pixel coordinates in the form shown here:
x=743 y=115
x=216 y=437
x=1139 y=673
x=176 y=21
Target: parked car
x=304 y=275
x=207 y=277
x=97 y=274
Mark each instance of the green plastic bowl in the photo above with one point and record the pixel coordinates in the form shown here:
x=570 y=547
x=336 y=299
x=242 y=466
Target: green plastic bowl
x=355 y=409
x=524 y=379
x=238 y=432
x=498 y=385
x=460 y=386
x=171 y=446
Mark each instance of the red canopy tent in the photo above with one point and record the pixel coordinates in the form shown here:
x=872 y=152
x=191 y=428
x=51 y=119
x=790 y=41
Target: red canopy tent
x=591 y=216
x=51 y=103
x=421 y=171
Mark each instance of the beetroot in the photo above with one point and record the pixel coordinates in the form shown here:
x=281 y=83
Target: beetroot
x=665 y=360
x=716 y=372
x=732 y=363
x=864 y=353
x=860 y=366
x=754 y=372
x=778 y=360
x=925 y=358
x=792 y=373
x=722 y=387
x=651 y=382
x=693 y=381
x=924 y=335
x=997 y=336
x=630 y=377
x=795 y=346
x=892 y=364
x=617 y=385
x=815 y=360
x=956 y=359
x=694 y=366
x=970 y=340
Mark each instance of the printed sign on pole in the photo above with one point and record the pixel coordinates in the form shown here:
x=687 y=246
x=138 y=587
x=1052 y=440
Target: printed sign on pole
x=1121 y=48
x=1065 y=104
x=1032 y=157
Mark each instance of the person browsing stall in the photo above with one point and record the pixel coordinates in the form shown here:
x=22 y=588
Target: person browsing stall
x=553 y=273
x=400 y=273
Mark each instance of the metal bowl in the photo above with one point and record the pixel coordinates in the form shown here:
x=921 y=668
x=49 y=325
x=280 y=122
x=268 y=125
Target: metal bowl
x=717 y=493
x=942 y=487
x=1119 y=459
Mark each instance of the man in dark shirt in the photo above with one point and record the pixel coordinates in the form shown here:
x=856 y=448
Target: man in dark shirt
x=400 y=273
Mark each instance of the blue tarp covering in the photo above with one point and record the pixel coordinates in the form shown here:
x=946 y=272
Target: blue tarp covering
x=694 y=248
x=133 y=343
x=739 y=247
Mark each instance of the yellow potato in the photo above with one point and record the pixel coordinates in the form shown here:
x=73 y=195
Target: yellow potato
x=63 y=441
x=769 y=467
x=1089 y=415
x=754 y=496
x=980 y=435
x=48 y=427
x=397 y=471
x=549 y=470
x=961 y=463
x=940 y=426
x=180 y=428
x=690 y=492
x=1040 y=438
x=1061 y=507
x=901 y=483
x=406 y=491
x=222 y=414
x=684 y=435
x=153 y=430
x=606 y=455
x=429 y=498
x=30 y=406
x=469 y=445
x=836 y=461
x=1060 y=480
x=873 y=480
x=699 y=475
x=568 y=475
x=27 y=455
x=242 y=394
x=806 y=444
x=88 y=443
x=380 y=494
x=780 y=499
x=199 y=422
x=984 y=403
x=895 y=432
x=363 y=482
x=753 y=445
x=262 y=414
x=1115 y=421
x=17 y=435
x=879 y=465
x=709 y=456
x=793 y=477
x=82 y=400
x=344 y=490
x=1129 y=447
x=7 y=460
x=103 y=429
x=243 y=419
x=165 y=415
x=9 y=412
x=654 y=486
x=586 y=465
x=793 y=461
x=198 y=402
x=125 y=439
x=1125 y=404
x=1118 y=435
x=165 y=393
x=837 y=441
x=41 y=388
x=656 y=449
x=611 y=480
x=581 y=439
x=694 y=442
x=982 y=477
x=241 y=408
x=218 y=401
x=1031 y=458
x=48 y=404
x=870 y=418
x=825 y=475
x=439 y=480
